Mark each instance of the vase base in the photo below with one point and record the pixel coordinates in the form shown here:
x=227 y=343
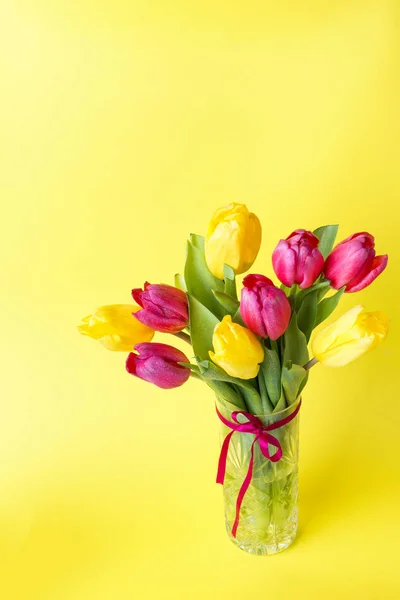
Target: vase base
x=263 y=548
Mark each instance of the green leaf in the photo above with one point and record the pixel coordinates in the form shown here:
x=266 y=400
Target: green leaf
x=267 y=405
x=180 y=282
x=307 y=314
x=253 y=400
x=200 y=281
x=202 y=324
x=198 y=241
x=328 y=305
x=226 y=394
x=323 y=291
x=209 y=370
x=326 y=236
x=194 y=368
x=281 y=404
x=295 y=344
x=271 y=371
x=317 y=287
x=230 y=283
x=292 y=380
x=292 y=302
x=303 y=383
x=237 y=318
x=229 y=304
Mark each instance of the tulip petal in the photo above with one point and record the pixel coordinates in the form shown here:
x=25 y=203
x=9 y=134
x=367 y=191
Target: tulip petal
x=343 y=354
x=172 y=301
x=354 y=334
x=159 y=322
x=325 y=338
x=284 y=263
x=379 y=264
x=84 y=328
x=346 y=261
x=164 y=306
x=115 y=328
x=165 y=351
x=159 y=310
x=237 y=349
x=157 y=364
x=365 y=238
x=137 y=294
x=233 y=238
x=300 y=235
x=376 y=322
x=312 y=268
x=251 y=242
x=275 y=312
x=298 y=259
x=254 y=279
x=158 y=371
x=225 y=213
x=250 y=309
x=131 y=363
x=224 y=247
x=239 y=369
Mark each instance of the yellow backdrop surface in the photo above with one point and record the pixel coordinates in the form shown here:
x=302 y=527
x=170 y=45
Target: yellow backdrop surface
x=123 y=125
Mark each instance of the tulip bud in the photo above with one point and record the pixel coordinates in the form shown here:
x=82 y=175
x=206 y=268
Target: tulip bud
x=158 y=364
x=265 y=308
x=115 y=328
x=297 y=259
x=237 y=350
x=353 y=263
x=352 y=335
x=165 y=308
x=233 y=238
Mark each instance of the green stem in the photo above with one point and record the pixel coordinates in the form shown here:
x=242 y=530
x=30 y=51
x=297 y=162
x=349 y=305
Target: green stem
x=281 y=348
x=196 y=376
x=275 y=346
x=310 y=364
x=183 y=336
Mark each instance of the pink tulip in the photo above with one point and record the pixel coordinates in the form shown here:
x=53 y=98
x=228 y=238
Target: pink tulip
x=264 y=308
x=297 y=259
x=165 y=308
x=353 y=263
x=158 y=364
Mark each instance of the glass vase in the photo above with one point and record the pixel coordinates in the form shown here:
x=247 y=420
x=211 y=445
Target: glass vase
x=268 y=514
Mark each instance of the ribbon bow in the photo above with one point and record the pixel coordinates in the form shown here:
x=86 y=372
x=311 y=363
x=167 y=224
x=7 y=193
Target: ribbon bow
x=264 y=439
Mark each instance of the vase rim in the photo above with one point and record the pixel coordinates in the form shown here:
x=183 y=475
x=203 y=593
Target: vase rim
x=287 y=410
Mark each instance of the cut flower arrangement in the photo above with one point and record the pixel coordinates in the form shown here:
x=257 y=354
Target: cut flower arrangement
x=251 y=350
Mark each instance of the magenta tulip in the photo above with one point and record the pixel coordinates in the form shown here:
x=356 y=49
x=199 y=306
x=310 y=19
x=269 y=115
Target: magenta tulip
x=297 y=259
x=165 y=308
x=158 y=364
x=353 y=263
x=264 y=307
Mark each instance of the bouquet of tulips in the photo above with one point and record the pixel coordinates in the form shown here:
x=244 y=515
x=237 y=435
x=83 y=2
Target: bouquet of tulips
x=251 y=349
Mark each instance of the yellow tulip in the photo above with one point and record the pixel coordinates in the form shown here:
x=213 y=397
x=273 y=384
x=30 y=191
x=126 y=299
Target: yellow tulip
x=352 y=335
x=115 y=327
x=233 y=238
x=237 y=350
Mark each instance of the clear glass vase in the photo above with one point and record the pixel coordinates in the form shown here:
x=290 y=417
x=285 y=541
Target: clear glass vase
x=269 y=512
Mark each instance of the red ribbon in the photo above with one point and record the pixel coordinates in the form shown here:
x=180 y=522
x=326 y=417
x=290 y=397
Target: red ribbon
x=262 y=436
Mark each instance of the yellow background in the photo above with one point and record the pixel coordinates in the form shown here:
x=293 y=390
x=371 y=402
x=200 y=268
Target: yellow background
x=123 y=125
